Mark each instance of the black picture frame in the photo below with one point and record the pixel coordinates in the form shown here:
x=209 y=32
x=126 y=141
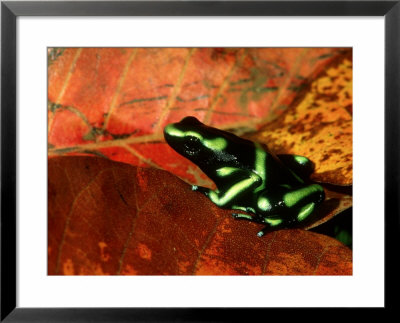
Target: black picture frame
x=10 y=10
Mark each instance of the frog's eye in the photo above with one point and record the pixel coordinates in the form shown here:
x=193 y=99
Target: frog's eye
x=192 y=145
x=191 y=140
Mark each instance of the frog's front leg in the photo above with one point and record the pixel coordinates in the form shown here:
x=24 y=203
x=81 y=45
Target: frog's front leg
x=240 y=182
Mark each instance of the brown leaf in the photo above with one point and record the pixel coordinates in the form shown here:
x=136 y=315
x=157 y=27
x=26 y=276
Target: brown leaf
x=111 y=218
x=337 y=199
x=319 y=126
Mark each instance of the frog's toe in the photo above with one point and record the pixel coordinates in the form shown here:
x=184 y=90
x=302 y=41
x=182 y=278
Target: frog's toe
x=272 y=224
x=201 y=189
x=266 y=229
x=239 y=216
x=260 y=233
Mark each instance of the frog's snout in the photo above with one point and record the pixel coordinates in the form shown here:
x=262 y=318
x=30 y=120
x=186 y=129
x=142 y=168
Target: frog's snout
x=171 y=131
x=167 y=132
x=168 y=129
x=171 y=134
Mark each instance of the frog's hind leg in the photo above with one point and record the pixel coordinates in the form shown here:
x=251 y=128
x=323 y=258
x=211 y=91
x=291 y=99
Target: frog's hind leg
x=247 y=217
x=272 y=223
x=240 y=216
x=252 y=217
x=301 y=165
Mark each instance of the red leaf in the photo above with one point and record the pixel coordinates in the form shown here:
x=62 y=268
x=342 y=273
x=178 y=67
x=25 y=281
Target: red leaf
x=112 y=218
x=115 y=102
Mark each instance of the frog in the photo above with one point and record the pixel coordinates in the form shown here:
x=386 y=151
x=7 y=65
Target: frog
x=252 y=181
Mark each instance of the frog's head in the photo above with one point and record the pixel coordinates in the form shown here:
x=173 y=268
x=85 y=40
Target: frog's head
x=194 y=140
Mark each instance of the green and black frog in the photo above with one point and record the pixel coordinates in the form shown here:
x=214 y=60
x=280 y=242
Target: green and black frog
x=270 y=189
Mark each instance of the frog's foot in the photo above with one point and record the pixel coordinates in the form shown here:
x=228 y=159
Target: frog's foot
x=201 y=189
x=239 y=216
x=268 y=229
x=251 y=218
x=272 y=225
x=264 y=231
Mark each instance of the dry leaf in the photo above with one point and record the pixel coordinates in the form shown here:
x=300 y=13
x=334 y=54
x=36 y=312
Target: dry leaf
x=319 y=126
